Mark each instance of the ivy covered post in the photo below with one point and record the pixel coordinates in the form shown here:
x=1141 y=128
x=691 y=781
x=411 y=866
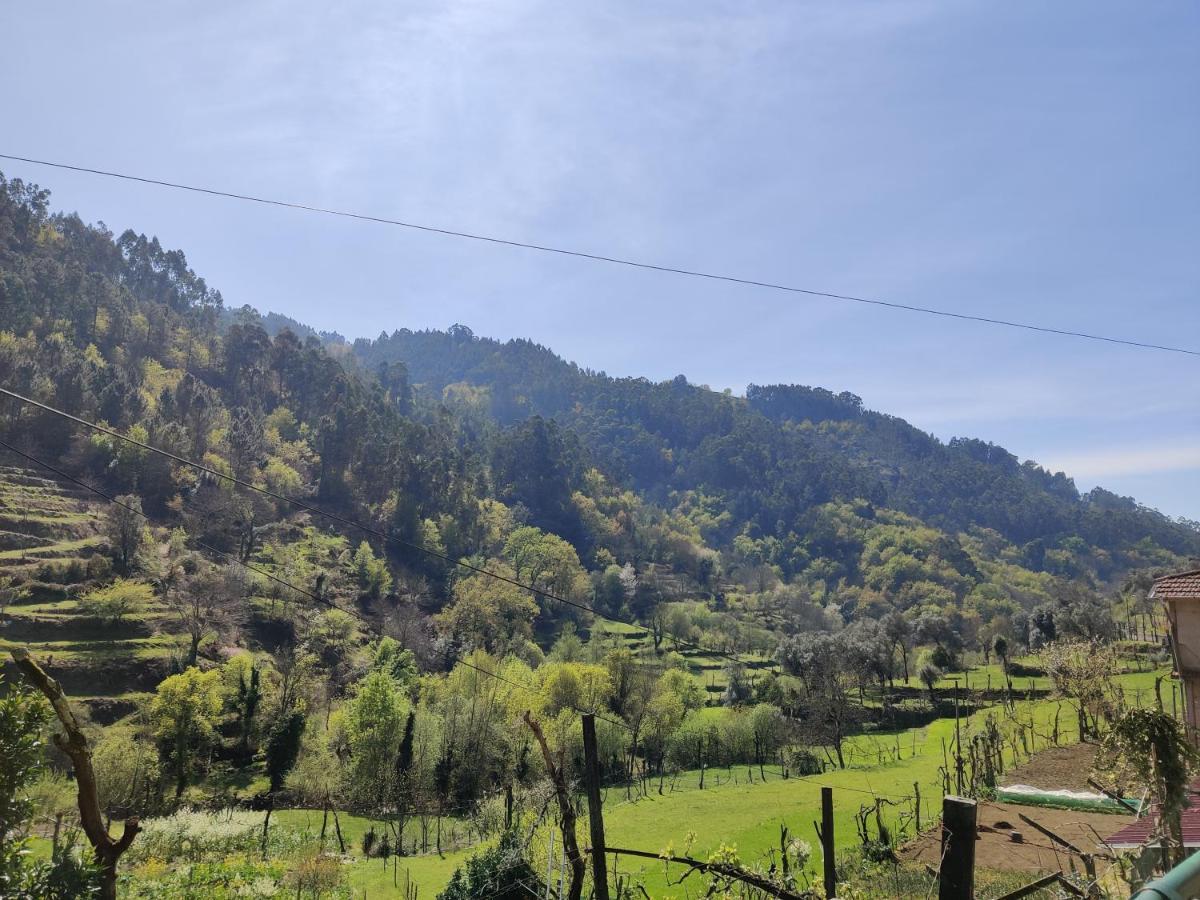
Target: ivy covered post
x=1147 y=746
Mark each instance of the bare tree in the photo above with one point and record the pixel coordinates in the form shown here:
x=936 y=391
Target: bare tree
x=124 y=526
x=210 y=602
x=1082 y=672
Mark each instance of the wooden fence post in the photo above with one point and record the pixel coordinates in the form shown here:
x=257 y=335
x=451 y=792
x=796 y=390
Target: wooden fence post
x=595 y=812
x=956 y=876
x=826 y=835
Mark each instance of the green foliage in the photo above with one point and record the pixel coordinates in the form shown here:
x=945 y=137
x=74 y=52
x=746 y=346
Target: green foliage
x=1148 y=747
x=235 y=876
x=23 y=717
x=399 y=662
x=371 y=572
x=116 y=601
x=489 y=614
x=373 y=721
x=316 y=778
x=127 y=772
x=248 y=695
x=283 y=748
x=193 y=836
x=501 y=872
x=183 y=713
x=71 y=874
x=125 y=528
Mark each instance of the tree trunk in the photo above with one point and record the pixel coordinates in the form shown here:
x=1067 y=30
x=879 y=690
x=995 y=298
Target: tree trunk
x=267 y=825
x=74 y=744
x=566 y=809
x=337 y=828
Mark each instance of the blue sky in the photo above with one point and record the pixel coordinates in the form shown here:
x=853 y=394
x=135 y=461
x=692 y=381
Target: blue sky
x=1024 y=160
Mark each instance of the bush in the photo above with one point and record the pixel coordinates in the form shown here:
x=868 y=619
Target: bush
x=498 y=873
x=1020 y=670
x=240 y=875
x=194 y=836
x=318 y=873
x=71 y=874
x=805 y=762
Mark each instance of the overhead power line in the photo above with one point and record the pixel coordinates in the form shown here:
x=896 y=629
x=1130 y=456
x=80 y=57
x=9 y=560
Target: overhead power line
x=316 y=598
x=351 y=523
x=606 y=258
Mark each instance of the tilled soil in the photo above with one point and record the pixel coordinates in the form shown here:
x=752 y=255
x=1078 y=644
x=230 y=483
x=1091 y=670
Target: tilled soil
x=1058 y=768
x=1033 y=852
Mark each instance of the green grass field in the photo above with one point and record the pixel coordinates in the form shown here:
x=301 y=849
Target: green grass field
x=750 y=814
x=737 y=807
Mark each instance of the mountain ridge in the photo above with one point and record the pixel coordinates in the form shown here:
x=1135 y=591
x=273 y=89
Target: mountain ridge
x=527 y=378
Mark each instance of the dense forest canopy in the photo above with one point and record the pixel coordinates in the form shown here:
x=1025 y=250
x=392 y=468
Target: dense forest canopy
x=780 y=451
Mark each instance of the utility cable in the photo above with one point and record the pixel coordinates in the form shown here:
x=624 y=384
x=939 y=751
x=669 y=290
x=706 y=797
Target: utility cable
x=612 y=260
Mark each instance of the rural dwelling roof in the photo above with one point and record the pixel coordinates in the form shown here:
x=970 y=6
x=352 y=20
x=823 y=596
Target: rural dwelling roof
x=1136 y=834
x=1181 y=586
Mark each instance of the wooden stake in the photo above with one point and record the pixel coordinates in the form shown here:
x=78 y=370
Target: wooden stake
x=595 y=810
x=956 y=878
x=827 y=849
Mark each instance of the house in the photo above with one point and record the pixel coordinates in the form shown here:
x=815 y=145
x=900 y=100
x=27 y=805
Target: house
x=1180 y=595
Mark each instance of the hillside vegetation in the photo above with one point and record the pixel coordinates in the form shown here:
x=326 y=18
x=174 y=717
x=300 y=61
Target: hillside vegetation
x=755 y=581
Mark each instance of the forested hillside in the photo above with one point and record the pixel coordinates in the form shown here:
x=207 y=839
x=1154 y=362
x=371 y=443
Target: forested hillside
x=645 y=493
x=767 y=461
x=724 y=580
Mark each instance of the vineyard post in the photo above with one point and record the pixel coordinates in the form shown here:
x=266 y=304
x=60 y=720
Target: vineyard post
x=595 y=812
x=826 y=835
x=550 y=864
x=958 y=759
x=956 y=878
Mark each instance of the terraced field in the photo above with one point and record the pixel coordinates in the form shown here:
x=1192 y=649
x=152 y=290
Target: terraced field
x=708 y=667
x=50 y=543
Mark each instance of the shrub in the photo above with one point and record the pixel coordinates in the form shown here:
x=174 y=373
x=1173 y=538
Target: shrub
x=319 y=873
x=193 y=836
x=239 y=875
x=805 y=762
x=499 y=873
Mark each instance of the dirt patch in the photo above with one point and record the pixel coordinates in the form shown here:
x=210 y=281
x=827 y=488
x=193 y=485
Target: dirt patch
x=1034 y=852
x=1057 y=768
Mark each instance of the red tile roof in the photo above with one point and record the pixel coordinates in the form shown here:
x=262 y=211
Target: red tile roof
x=1184 y=585
x=1138 y=833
